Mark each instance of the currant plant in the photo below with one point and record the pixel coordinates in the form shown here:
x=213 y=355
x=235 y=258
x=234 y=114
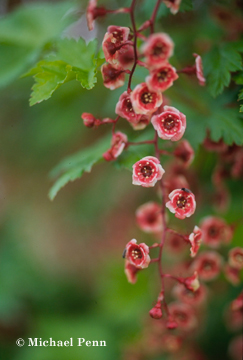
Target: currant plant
x=139 y=48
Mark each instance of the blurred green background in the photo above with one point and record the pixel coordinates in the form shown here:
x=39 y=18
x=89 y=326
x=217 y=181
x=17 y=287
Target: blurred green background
x=61 y=270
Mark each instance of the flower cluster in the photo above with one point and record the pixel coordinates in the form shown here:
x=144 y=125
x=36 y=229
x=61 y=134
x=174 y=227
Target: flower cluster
x=145 y=105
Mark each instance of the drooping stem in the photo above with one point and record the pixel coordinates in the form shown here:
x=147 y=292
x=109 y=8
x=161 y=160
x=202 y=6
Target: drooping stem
x=132 y=8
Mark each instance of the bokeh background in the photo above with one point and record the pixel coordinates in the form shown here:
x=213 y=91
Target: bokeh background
x=61 y=270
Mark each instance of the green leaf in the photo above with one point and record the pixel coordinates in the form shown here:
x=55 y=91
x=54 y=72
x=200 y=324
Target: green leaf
x=226 y=124
x=75 y=165
x=72 y=60
x=49 y=76
x=24 y=33
x=218 y=64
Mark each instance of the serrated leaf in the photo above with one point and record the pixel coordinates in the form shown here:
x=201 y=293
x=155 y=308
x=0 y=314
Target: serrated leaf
x=72 y=60
x=49 y=76
x=218 y=65
x=226 y=124
x=24 y=33
x=73 y=167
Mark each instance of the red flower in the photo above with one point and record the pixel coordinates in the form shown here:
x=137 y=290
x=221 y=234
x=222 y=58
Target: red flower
x=192 y=282
x=125 y=56
x=145 y=101
x=199 y=70
x=113 y=42
x=208 y=265
x=147 y=171
x=184 y=152
x=113 y=78
x=156 y=312
x=93 y=12
x=90 y=120
x=182 y=203
x=125 y=109
x=171 y=323
x=162 y=78
x=183 y=315
x=131 y=272
x=170 y=124
x=189 y=297
x=173 y=5
x=232 y=274
x=157 y=49
x=137 y=255
x=236 y=258
x=118 y=143
x=149 y=217
x=215 y=231
x=195 y=239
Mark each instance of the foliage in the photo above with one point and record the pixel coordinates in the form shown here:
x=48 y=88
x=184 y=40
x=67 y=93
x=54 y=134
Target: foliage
x=25 y=33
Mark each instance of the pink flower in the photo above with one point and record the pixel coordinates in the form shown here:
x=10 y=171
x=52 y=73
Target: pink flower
x=113 y=78
x=208 y=265
x=195 y=239
x=118 y=143
x=184 y=152
x=113 y=42
x=125 y=56
x=171 y=323
x=125 y=109
x=215 y=231
x=199 y=70
x=156 y=312
x=173 y=5
x=236 y=258
x=147 y=171
x=189 y=297
x=232 y=274
x=149 y=217
x=192 y=282
x=183 y=315
x=137 y=255
x=93 y=12
x=170 y=124
x=157 y=49
x=162 y=78
x=90 y=120
x=182 y=203
x=145 y=101
x=131 y=272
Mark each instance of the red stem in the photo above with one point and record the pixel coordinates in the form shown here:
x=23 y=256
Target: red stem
x=132 y=8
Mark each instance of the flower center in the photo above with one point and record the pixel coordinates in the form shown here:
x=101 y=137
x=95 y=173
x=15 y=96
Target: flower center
x=239 y=258
x=169 y=123
x=147 y=171
x=213 y=231
x=129 y=107
x=181 y=202
x=137 y=254
x=151 y=218
x=207 y=266
x=118 y=36
x=146 y=97
x=181 y=316
x=158 y=49
x=162 y=75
